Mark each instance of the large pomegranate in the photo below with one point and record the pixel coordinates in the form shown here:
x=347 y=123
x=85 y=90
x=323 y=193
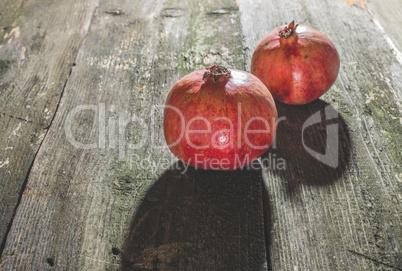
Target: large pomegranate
x=297 y=63
x=219 y=119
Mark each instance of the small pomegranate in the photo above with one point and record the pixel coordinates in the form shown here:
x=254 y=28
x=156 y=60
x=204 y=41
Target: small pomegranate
x=297 y=63
x=219 y=119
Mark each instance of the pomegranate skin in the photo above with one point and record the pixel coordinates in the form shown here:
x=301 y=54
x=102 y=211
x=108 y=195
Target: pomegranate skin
x=297 y=69
x=205 y=122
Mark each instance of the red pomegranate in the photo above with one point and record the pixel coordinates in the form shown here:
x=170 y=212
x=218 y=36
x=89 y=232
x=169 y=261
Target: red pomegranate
x=297 y=63
x=219 y=119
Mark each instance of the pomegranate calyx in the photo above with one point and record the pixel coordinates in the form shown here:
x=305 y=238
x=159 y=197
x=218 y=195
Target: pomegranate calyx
x=217 y=72
x=288 y=30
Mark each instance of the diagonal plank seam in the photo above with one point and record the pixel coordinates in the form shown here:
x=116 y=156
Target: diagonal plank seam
x=30 y=168
x=47 y=128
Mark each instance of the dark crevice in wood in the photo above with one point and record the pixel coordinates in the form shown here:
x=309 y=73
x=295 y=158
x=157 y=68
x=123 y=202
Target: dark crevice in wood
x=22 y=4
x=374 y=260
x=3 y=245
x=114 y=12
x=115 y=251
x=50 y=261
x=15 y=117
x=267 y=223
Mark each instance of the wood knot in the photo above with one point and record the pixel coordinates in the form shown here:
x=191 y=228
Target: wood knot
x=50 y=261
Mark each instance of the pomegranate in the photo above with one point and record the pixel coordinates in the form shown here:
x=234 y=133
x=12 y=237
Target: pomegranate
x=297 y=63
x=219 y=119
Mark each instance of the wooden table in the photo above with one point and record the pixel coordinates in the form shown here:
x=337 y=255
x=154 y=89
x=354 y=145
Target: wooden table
x=87 y=183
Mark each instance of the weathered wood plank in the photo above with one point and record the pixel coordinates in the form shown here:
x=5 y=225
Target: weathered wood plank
x=349 y=217
x=386 y=15
x=39 y=41
x=83 y=200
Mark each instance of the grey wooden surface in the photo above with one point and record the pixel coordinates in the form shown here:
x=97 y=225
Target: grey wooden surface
x=75 y=195
x=39 y=41
x=348 y=218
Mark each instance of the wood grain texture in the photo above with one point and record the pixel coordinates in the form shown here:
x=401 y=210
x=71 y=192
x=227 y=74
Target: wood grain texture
x=39 y=41
x=386 y=16
x=103 y=170
x=104 y=193
x=348 y=217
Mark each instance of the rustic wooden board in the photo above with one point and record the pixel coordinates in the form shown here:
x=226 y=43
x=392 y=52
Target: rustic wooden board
x=386 y=15
x=348 y=217
x=39 y=41
x=92 y=202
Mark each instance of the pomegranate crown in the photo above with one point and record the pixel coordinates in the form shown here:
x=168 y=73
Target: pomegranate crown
x=288 y=30
x=217 y=72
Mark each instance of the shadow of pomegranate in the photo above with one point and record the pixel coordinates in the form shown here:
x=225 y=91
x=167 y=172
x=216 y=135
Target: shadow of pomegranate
x=199 y=220
x=312 y=145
